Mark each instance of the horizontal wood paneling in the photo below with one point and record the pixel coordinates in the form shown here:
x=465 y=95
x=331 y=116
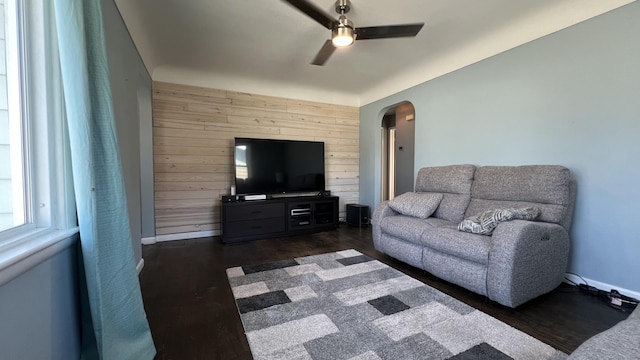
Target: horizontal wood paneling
x=193 y=132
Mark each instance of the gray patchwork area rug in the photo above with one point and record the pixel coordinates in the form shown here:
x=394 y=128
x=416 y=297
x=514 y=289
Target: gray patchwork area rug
x=346 y=305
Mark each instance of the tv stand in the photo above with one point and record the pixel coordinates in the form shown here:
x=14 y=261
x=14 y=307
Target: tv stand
x=277 y=217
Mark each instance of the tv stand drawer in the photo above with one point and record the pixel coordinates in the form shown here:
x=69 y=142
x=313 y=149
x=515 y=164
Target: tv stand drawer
x=253 y=211
x=255 y=227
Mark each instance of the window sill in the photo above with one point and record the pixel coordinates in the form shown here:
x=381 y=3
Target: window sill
x=34 y=248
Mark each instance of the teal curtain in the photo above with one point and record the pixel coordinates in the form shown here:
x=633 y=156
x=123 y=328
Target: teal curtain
x=116 y=326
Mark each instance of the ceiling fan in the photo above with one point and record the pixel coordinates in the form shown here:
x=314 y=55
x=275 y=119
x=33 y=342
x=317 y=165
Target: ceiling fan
x=342 y=31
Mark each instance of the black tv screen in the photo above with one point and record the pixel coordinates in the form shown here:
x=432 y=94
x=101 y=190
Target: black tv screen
x=265 y=166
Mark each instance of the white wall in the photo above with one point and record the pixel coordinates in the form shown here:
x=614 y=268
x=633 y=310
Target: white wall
x=570 y=98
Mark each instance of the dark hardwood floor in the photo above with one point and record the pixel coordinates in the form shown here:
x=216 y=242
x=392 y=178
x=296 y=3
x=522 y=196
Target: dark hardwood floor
x=192 y=313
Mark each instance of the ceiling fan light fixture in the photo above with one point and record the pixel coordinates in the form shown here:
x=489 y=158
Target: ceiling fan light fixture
x=343 y=37
x=343 y=33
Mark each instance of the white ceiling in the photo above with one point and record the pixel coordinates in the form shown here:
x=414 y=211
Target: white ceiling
x=265 y=46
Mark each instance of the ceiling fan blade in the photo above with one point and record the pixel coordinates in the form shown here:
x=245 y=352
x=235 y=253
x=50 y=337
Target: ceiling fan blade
x=314 y=12
x=390 y=31
x=324 y=53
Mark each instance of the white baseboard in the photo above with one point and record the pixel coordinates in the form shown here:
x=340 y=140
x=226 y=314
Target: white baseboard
x=189 y=235
x=602 y=286
x=180 y=236
x=148 y=240
x=140 y=266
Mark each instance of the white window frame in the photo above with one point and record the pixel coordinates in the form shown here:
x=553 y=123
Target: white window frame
x=51 y=222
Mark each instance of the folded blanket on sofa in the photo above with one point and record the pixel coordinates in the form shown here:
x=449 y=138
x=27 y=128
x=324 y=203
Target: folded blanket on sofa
x=487 y=221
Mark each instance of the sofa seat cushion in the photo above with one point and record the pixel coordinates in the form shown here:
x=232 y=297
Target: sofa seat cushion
x=408 y=228
x=436 y=223
x=468 y=246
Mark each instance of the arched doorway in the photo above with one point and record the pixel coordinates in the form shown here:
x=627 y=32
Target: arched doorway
x=398 y=149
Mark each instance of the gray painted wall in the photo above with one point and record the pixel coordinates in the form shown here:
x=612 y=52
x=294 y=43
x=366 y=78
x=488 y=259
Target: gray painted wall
x=39 y=313
x=147 y=208
x=570 y=98
x=129 y=78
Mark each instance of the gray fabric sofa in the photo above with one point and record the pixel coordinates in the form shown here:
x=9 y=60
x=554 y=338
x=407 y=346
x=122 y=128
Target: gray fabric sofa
x=519 y=261
x=621 y=342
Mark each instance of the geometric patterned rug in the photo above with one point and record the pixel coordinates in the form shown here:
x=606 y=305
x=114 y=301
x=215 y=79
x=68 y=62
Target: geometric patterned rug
x=346 y=305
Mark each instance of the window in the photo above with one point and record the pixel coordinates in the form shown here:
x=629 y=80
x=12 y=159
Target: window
x=36 y=194
x=13 y=210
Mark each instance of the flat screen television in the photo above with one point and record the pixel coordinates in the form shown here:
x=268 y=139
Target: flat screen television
x=267 y=166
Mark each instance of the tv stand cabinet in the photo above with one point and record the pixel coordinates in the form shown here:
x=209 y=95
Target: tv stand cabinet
x=277 y=217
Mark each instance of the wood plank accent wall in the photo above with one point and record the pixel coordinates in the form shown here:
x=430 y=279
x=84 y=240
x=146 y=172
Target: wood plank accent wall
x=193 y=132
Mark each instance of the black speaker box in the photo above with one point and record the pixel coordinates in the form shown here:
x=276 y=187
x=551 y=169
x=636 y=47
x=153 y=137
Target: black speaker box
x=357 y=215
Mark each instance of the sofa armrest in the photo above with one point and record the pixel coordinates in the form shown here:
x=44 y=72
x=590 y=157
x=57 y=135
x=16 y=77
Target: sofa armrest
x=622 y=341
x=382 y=210
x=527 y=259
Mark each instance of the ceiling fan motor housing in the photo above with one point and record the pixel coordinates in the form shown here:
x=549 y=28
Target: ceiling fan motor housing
x=343 y=6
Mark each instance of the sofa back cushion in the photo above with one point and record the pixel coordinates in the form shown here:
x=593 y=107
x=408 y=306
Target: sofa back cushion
x=547 y=187
x=421 y=205
x=454 y=183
